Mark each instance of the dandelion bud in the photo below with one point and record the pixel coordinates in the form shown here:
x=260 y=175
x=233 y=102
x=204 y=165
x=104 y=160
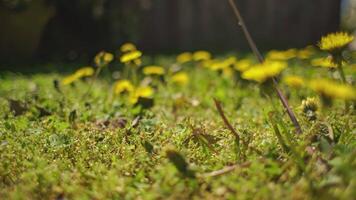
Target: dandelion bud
x=309 y=107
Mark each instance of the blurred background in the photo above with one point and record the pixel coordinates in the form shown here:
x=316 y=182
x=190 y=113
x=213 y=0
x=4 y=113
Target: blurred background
x=70 y=30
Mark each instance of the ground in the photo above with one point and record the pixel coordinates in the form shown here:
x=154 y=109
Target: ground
x=61 y=143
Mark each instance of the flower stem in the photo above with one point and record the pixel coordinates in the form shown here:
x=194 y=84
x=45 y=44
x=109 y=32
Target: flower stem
x=343 y=80
x=97 y=72
x=342 y=74
x=261 y=60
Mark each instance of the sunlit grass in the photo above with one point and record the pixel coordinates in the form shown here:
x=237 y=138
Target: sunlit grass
x=152 y=131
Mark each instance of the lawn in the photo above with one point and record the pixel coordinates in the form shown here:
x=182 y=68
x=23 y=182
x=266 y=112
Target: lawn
x=154 y=135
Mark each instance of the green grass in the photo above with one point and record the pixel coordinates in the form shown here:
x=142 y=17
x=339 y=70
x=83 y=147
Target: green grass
x=103 y=152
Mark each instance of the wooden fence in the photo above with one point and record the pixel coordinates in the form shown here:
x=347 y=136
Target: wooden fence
x=86 y=26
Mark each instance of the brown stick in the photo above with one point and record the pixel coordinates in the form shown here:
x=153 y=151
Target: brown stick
x=261 y=60
x=226 y=170
x=226 y=121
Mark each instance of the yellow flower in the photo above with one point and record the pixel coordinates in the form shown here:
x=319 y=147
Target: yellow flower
x=85 y=71
x=261 y=72
x=310 y=107
x=131 y=56
x=127 y=47
x=137 y=62
x=180 y=78
x=310 y=104
x=140 y=92
x=122 y=86
x=103 y=58
x=335 y=41
x=281 y=55
x=294 y=81
x=230 y=61
x=228 y=72
x=184 y=57
x=218 y=65
x=333 y=89
x=201 y=55
x=80 y=73
x=208 y=63
x=306 y=53
x=69 y=79
x=243 y=65
x=215 y=65
x=323 y=62
x=153 y=70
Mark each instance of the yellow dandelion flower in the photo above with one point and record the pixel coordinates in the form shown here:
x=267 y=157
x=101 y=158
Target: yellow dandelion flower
x=184 y=57
x=294 y=81
x=230 y=61
x=323 y=62
x=262 y=72
x=216 y=65
x=201 y=55
x=281 y=55
x=208 y=63
x=131 y=56
x=180 y=78
x=220 y=65
x=140 y=92
x=103 y=58
x=153 y=70
x=70 y=79
x=310 y=107
x=122 y=86
x=127 y=47
x=306 y=53
x=333 y=89
x=310 y=104
x=137 y=62
x=80 y=73
x=335 y=41
x=228 y=72
x=144 y=91
x=84 y=71
x=243 y=65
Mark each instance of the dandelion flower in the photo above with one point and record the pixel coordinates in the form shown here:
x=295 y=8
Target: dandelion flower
x=180 y=78
x=242 y=65
x=228 y=72
x=103 y=58
x=294 y=81
x=153 y=70
x=131 y=56
x=230 y=61
x=323 y=62
x=208 y=63
x=306 y=53
x=122 y=86
x=310 y=106
x=85 y=71
x=221 y=65
x=335 y=42
x=281 y=55
x=262 y=72
x=69 y=79
x=80 y=73
x=216 y=65
x=137 y=62
x=140 y=92
x=201 y=55
x=331 y=89
x=184 y=57
x=127 y=47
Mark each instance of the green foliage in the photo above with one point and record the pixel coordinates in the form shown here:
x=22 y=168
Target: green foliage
x=54 y=144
